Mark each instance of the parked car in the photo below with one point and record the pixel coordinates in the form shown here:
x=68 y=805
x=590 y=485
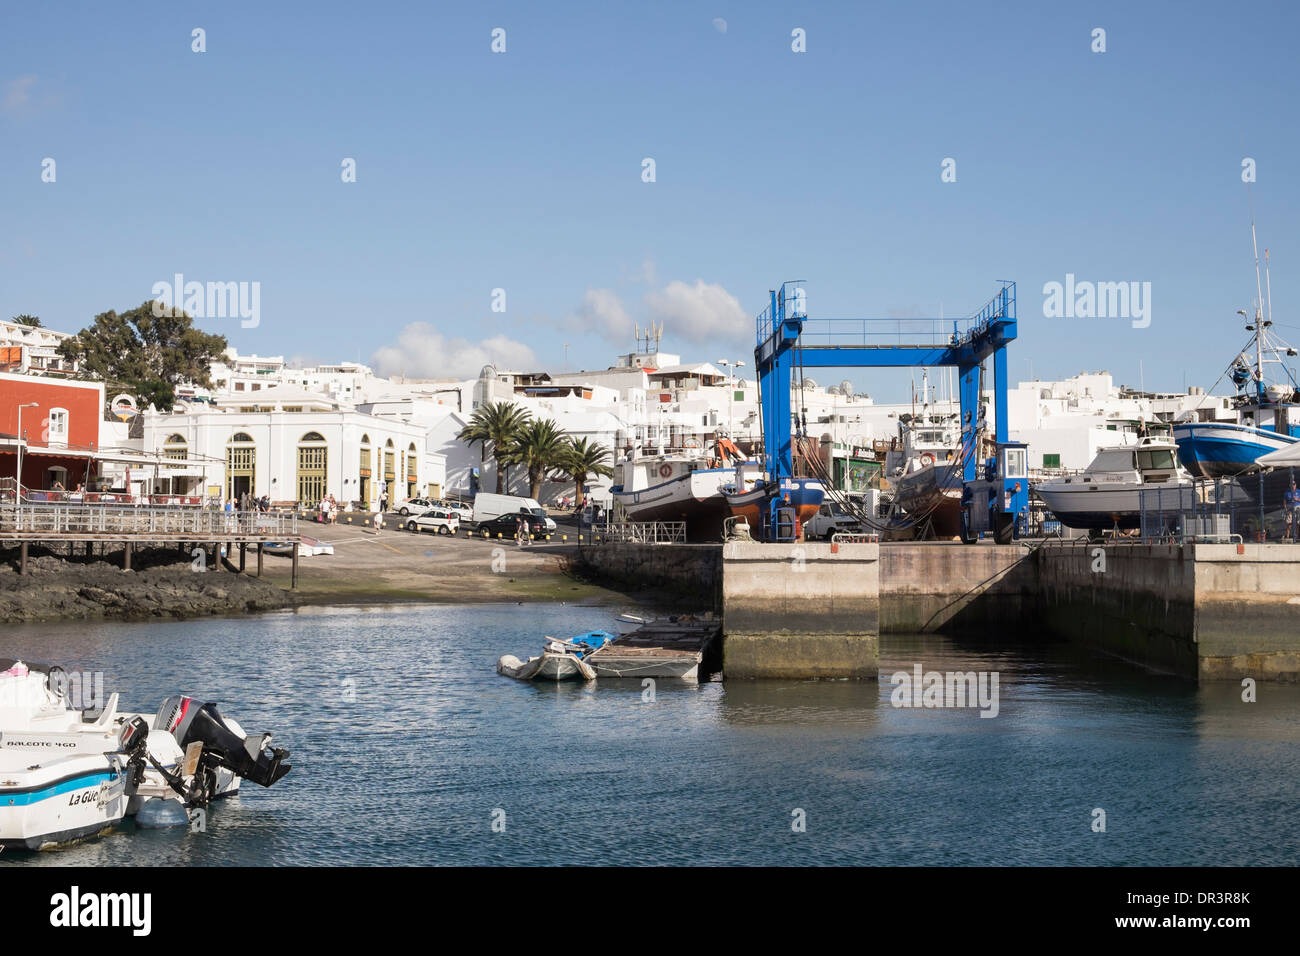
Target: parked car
x=434 y=519
x=458 y=508
x=488 y=506
x=507 y=526
x=413 y=505
x=830 y=520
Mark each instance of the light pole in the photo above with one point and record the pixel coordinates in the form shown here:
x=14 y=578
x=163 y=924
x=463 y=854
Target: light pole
x=18 y=485
x=731 y=390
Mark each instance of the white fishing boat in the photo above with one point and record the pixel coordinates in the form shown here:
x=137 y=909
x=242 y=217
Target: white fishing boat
x=677 y=486
x=1121 y=482
x=559 y=660
x=65 y=777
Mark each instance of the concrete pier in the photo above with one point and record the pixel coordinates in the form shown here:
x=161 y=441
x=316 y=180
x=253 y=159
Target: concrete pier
x=800 y=610
x=1201 y=611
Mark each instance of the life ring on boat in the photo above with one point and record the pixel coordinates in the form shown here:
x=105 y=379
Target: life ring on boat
x=927 y=459
x=665 y=471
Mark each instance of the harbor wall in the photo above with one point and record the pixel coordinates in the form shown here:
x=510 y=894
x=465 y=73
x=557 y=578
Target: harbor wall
x=1137 y=602
x=1200 y=611
x=1248 y=611
x=796 y=611
x=692 y=572
x=977 y=589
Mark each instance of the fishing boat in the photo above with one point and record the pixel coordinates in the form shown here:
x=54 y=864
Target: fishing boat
x=1267 y=402
x=927 y=472
x=677 y=486
x=559 y=660
x=1121 y=482
x=66 y=777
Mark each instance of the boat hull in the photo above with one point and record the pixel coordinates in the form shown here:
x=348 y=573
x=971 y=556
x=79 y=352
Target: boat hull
x=64 y=801
x=933 y=493
x=805 y=496
x=1220 y=450
x=1098 y=508
x=695 y=498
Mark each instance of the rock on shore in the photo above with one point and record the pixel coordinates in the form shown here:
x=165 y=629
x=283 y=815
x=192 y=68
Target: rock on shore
x=161 y=584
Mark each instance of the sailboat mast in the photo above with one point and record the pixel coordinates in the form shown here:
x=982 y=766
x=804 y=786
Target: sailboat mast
x=1259 y=315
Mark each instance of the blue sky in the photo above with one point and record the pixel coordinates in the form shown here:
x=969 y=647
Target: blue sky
x=522 y=171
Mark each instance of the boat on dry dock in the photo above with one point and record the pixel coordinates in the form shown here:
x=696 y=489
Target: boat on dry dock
x=675 y=486
x=1121 y=482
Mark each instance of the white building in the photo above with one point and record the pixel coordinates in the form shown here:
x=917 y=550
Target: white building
x=295 y=446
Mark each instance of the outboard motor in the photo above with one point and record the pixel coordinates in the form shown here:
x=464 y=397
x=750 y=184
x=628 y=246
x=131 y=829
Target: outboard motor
x=249 y=757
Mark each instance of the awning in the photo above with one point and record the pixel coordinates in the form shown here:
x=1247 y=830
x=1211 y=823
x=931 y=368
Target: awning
x=1282 y=458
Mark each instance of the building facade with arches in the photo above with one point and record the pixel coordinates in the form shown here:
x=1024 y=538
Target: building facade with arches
x=297 y=451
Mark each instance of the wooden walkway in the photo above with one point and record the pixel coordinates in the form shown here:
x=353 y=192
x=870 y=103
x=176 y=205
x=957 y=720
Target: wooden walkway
x=676 y=649
x=132 y=526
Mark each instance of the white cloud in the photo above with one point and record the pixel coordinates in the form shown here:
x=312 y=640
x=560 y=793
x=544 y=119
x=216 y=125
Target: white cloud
x=720 y=24
x=422 y=351
x=602 y=311
x=18 y=92
x=698 y=313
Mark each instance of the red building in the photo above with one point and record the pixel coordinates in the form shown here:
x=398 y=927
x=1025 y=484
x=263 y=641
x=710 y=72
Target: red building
x=60 y=428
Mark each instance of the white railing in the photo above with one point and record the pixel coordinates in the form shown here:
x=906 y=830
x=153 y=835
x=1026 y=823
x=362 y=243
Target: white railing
x=76 y=519
x=643 y=532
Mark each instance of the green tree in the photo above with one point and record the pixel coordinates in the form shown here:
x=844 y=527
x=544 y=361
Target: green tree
x=28 y=320
x=540 y=446
x=584 y=460
x=145 y=354
x=496 y=425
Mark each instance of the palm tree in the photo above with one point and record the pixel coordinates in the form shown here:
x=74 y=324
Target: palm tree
x=586 y=459
x=539 y=447
x=496 y=424
x=28 y=320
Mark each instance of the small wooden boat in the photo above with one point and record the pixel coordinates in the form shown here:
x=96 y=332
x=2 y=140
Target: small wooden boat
x=559 y=660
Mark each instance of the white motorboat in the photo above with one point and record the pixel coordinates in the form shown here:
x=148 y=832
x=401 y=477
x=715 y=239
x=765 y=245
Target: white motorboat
x=64 y=777
x=1121 y=483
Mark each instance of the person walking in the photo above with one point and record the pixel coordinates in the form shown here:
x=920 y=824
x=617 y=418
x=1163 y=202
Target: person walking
x=378 y=521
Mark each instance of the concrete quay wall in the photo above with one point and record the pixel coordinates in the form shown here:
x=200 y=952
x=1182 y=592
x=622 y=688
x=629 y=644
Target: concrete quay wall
x=808 y=610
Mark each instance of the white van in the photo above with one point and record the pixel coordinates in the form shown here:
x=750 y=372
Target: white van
x=489 y=506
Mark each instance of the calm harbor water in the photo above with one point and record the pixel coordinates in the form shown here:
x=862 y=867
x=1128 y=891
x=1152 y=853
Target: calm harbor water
x=405 y=741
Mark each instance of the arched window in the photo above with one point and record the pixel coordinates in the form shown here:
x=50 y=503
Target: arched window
x=312 y=457
x=365 y=473
x=389 y=462
x=412 y=473
x=176 y=447
x=241 y=465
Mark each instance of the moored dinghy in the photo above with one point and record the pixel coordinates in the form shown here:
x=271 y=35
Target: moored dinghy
x=559 y=660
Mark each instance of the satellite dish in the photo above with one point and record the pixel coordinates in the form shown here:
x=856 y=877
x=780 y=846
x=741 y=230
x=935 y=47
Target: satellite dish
x=846 y=388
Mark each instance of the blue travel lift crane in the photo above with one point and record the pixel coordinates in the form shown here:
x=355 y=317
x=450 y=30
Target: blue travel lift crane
x=995 y=492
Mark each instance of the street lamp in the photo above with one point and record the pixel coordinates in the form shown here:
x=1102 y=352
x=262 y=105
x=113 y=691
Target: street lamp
x=18 y=485
x=731 y=392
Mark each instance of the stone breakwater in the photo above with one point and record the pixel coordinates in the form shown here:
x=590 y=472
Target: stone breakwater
x=163 y=584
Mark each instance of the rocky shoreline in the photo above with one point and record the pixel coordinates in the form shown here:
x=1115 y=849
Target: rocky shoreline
x=162 y=584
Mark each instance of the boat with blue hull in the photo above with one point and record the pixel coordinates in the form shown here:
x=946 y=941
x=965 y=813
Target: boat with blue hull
x=1267 y=403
